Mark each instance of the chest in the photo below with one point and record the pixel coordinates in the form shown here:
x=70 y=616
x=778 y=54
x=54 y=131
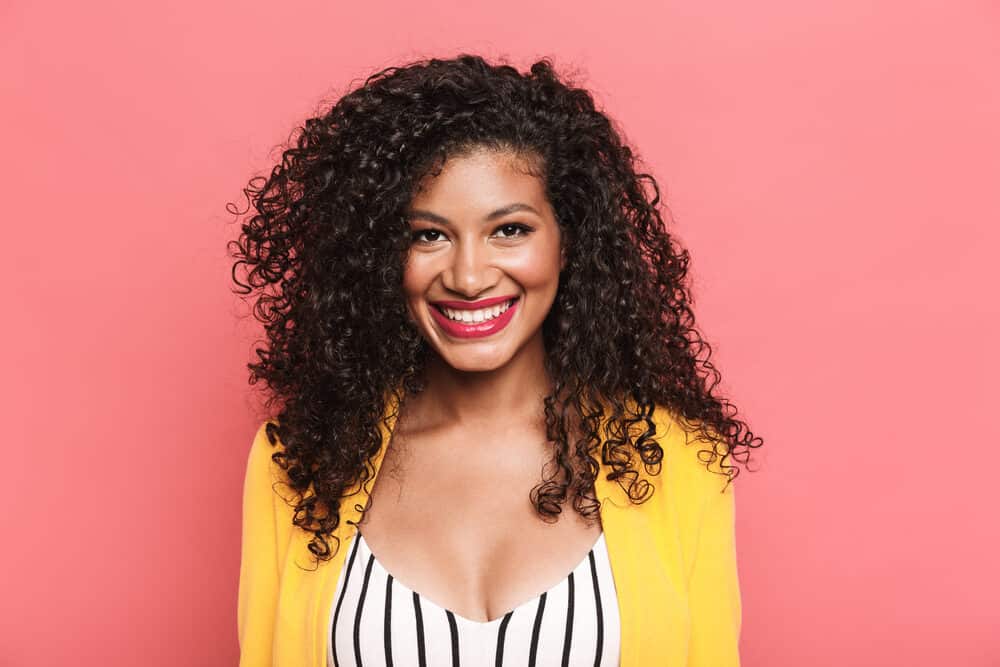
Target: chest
x=459 y=527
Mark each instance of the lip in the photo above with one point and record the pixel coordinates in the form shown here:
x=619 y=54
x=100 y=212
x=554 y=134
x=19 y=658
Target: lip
x=474 y=305
x=475 y=329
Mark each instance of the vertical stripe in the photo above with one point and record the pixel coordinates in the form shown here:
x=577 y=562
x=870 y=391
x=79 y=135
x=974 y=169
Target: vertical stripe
x=454 y=638
x=340 y=601
x=569 y=623
x=421 y=654
x=387 y=631
x=361 y=608
x=500 y=637
x=534 y=631
x=600 y=612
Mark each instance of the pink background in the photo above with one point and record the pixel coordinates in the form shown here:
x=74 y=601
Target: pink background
x=833 y=171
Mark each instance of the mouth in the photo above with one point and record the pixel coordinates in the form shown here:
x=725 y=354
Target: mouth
x=471 y=314
x=475 y=323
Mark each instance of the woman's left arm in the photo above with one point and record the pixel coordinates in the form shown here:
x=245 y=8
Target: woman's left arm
x=714 y=590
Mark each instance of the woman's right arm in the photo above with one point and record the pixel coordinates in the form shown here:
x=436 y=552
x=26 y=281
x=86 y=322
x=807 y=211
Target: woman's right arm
x=259 y=562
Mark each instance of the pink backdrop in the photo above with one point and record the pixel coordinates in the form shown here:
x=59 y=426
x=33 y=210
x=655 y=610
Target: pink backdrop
x=833 y=170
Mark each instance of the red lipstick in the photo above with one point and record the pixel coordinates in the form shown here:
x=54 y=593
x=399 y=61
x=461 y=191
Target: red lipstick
x=489 y=327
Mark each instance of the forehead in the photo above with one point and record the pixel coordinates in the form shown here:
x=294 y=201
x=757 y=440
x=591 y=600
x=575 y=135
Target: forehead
x=482 y=179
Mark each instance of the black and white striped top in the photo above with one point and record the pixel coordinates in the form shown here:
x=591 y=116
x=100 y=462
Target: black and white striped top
x=376 y=621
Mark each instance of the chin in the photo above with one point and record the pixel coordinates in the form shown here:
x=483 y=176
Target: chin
x=471 y=363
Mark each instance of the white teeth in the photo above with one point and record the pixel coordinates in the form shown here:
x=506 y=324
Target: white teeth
x=476 y=316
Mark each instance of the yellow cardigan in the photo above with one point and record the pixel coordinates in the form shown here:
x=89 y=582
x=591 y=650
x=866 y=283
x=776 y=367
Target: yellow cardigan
x=673 y=559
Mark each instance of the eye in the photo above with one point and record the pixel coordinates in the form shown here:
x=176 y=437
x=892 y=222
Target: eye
x=514 y=227
x=416 y=235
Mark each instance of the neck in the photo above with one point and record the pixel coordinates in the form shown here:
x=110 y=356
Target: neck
x=484 y=398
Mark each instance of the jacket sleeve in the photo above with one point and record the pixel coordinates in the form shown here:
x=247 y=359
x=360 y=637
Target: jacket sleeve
x=259 y=574
x=714 y=591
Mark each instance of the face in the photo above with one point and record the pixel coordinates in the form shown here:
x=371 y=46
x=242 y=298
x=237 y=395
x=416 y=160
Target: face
x=483 y=265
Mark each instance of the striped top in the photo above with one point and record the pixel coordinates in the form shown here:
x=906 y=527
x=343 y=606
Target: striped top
x=376 y=621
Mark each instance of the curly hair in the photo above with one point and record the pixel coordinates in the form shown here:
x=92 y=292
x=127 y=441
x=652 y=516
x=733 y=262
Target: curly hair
x=323 y=256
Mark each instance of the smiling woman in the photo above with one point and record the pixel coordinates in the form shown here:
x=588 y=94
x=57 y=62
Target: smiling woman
x=464 y=281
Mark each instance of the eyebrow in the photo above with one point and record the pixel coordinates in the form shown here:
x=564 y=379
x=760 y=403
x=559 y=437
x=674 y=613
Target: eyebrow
x=499 y=213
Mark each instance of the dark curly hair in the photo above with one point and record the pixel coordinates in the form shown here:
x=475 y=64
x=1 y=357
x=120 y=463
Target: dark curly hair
x=323 y=254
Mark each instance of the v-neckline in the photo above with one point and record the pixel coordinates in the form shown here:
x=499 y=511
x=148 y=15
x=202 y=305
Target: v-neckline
x=426 y=600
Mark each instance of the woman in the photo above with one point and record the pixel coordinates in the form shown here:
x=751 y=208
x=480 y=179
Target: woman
x=463 y=281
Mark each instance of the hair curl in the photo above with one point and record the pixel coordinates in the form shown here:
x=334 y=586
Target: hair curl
x=323 y=253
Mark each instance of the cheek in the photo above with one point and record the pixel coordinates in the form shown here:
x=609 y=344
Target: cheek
x=414 y=279
x=539 y=267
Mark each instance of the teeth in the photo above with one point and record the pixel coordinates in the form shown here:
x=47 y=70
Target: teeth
x=476 y=316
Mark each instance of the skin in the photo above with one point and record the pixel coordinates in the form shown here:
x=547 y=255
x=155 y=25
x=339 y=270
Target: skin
x=483 y=397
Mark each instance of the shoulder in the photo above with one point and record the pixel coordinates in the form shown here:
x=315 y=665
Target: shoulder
x=692 y=457
x=264 y=477
x=692 y=492
x=265 y=443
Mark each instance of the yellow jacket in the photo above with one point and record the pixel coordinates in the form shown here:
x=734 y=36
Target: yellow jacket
x=673 y=559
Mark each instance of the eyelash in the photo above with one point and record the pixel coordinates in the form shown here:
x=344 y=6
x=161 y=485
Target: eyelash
x=524 y=229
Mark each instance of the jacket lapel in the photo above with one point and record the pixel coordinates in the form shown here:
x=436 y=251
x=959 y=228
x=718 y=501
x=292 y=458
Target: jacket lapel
x=324 y=584
x=651 y=598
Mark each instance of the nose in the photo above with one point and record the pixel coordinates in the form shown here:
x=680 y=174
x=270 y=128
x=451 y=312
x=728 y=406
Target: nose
x=470 y=271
